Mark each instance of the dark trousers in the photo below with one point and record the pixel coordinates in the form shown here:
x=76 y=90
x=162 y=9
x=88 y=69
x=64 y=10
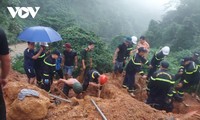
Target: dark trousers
x=2 y=106
x=60 y=73
x=86 y=80
x=159 y=103
x=38 y=73
x=47 y=82
x=151 y=71
x=66 y=89
x=129 y=80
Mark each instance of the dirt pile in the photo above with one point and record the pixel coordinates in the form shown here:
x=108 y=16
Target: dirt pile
x=115 y=103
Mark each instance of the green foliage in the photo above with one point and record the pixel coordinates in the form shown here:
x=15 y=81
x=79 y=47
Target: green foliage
x=179 y=29
x=17 y=63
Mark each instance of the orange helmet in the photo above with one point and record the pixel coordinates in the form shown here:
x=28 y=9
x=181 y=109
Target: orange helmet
x=103 y=79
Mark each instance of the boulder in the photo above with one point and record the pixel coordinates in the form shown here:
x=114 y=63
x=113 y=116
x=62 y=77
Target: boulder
x=30 y=108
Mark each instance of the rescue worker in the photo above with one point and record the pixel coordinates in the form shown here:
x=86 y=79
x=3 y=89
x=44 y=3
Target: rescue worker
x=191 y=77
x=194 y=58
x=130 y=49
x=38 y=63
x=160 y=89
x=156 y=59
x=94 y=78
x=29 y=57
x=71 y=83
x=119 y=55
x=133 y=67
x=48 y=70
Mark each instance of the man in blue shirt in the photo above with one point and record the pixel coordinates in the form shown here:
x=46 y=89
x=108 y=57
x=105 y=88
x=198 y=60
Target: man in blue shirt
x=29 y=58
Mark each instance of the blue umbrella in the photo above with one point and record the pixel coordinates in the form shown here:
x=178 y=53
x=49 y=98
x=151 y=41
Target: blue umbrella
x=39 y=34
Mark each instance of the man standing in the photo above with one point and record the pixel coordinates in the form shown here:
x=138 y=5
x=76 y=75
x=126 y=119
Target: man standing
x=133 y=67
x=119 y=55
x=5 y=67
x=39 y=61
x=29 y=58
x=49 y=69
x=70 y=60
x=160 y=89
x=86 y=60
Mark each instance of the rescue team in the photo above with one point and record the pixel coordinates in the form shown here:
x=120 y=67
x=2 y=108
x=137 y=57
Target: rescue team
x=130 y=58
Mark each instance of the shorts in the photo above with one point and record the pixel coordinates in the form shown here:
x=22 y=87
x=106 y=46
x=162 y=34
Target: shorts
x=30 y=72
x=118 y=67
x=68 y=70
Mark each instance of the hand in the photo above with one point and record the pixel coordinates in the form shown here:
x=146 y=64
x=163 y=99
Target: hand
x=3 y=82
x=41 y=48
x=179 y=85
x=84 y=67
x=114 y=61
x=75 y=66
x=62 y=65
x=144 y=77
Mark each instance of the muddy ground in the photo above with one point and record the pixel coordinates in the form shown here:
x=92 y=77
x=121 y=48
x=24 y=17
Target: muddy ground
x=115 y=103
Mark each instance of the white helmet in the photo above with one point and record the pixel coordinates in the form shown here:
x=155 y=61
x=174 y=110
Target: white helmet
x=165 y=50
x=44 y=44
x=134 y=39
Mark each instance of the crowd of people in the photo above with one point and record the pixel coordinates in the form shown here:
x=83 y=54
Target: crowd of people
x=41 y=66
x=162 y=86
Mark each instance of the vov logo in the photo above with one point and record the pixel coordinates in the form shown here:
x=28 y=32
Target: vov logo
x=23 y=12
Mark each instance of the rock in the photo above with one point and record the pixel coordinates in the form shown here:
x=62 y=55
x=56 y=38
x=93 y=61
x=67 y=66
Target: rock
x=30 y=108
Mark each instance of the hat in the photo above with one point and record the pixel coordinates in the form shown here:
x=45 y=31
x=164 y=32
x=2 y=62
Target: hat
x=142 y=37
x=68 y=45
x=56 y=52
x=185 y=59
x=44 y=44
x=128 y=39
x=164 y=64
x=142 y=49
x=165 y=50
x=134 y=39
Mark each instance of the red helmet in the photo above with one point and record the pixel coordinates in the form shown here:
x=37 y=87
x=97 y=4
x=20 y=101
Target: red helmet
x=103 y=79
